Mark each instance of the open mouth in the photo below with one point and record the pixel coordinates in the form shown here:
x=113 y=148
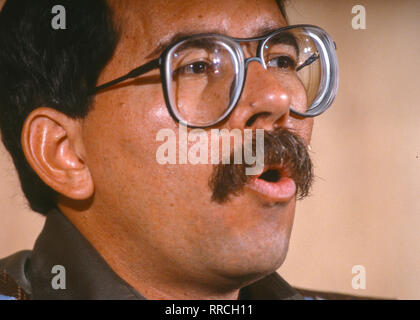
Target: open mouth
x=274 y=184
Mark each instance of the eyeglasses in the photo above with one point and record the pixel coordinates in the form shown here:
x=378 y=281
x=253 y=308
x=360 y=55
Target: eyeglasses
x=203 y=75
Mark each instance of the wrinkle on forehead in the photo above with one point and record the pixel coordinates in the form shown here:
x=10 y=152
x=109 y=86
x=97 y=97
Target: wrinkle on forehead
x=156 y=21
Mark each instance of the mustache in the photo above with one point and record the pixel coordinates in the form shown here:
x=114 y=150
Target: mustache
x=282 y=148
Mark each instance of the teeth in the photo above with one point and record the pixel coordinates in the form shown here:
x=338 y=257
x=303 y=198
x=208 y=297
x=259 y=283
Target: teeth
x=270 y=175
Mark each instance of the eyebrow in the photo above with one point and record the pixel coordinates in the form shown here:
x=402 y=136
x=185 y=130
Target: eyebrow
x=180 y=35
x=287 y=38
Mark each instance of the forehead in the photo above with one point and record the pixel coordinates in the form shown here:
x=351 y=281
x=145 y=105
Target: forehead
x=153 y=22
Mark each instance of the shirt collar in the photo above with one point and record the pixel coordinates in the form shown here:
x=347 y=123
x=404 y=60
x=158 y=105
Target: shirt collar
x=88 y=276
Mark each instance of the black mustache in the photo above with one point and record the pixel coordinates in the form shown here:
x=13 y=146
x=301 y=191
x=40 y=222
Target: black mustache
x=281 y=147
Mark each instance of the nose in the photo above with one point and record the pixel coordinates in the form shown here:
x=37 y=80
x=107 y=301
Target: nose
x=265 y=102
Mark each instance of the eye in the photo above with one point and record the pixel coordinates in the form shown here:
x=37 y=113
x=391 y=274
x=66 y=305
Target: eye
x=282 y=62
x=194 y=68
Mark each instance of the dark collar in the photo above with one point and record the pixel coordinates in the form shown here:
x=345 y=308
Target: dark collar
x=88 y=276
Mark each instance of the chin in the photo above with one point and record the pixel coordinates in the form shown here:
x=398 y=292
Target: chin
x=243 y=240
x=246 y=266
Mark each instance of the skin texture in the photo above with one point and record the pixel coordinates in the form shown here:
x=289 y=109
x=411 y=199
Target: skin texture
x=156 y=225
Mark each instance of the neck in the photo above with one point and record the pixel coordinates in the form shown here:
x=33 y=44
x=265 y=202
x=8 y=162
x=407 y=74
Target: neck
x=143 y=269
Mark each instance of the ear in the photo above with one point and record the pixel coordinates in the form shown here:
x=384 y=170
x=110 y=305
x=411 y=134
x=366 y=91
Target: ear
x=53 y=145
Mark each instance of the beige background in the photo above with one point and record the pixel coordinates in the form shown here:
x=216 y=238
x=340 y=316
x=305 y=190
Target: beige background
x=365 y=207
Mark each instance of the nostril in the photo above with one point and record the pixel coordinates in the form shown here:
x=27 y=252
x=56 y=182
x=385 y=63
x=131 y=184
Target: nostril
x=254 y=118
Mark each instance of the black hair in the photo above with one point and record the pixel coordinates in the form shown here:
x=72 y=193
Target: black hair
x=282 y=4
x=41 y=66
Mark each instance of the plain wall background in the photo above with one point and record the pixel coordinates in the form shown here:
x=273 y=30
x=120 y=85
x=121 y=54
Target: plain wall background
x=365 y=205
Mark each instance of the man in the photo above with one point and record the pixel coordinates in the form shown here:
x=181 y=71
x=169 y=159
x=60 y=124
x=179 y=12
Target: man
x=85 y=139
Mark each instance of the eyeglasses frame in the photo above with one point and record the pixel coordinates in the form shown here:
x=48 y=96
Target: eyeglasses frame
x=327 y=46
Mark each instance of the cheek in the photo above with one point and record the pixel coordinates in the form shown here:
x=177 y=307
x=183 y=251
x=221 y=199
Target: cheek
x=299 y=99
x=119 y=131
x=302 y=126
x=120 y=135
x=306 y=129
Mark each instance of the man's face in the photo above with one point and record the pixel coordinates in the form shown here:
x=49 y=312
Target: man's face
x=164 y=214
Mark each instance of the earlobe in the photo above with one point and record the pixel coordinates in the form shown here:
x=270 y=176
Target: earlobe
x=52 y=144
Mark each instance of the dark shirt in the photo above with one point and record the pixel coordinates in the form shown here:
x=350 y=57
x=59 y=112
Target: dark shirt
x=88 y=276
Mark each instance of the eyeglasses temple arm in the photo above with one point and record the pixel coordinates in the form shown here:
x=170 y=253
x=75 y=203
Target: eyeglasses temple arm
x=309 y=61
x=132 y=74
